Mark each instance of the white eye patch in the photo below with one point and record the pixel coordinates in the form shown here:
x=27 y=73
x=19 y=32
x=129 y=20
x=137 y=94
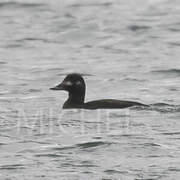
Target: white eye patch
x=78 y=83
x=68 y=83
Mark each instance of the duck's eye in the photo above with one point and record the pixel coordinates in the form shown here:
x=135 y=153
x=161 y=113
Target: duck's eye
x=78 y=83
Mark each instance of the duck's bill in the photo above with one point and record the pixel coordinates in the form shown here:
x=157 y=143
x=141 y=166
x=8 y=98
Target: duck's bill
x=63 y=86
x=58 y=87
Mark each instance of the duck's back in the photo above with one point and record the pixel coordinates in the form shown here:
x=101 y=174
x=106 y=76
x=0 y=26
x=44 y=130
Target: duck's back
x=110 y=104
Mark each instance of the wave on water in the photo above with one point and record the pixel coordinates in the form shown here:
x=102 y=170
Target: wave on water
x=33 y=39
x=85 y=145
x=92 y=144
x=12 y=167
x=12 y=4
x=168 y=72
x=2 y=62
x=159 y=107
x=137 y=28
x=91 y=4
x=82 y=74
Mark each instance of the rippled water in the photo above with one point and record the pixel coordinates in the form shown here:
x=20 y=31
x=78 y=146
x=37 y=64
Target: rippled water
x=126 y=50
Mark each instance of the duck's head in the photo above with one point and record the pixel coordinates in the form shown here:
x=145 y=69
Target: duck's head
x=75 y=85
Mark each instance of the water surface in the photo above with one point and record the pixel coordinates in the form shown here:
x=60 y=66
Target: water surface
x=126 y=50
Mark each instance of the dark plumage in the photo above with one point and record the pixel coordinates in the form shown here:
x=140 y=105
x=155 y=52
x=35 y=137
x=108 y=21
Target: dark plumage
x=74 y=84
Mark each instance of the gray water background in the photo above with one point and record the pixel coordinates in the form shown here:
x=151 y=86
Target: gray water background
x=126 y=49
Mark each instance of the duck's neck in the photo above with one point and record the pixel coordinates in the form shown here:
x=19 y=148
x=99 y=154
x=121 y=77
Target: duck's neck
x=74 y=101
x=76 y=98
